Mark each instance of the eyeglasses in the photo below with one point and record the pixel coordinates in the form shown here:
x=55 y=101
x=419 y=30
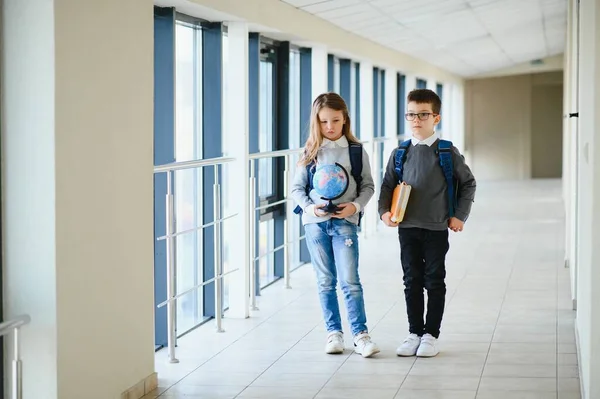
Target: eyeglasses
x=423 y=116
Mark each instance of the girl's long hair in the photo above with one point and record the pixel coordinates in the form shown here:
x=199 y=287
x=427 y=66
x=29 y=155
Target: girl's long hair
x=315 y=139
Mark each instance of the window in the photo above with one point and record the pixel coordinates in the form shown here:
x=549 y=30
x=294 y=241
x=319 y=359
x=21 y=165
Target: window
x=421 y=84
x=439 y=89
x=401 y=95
x=336 y=75
x=379 y=116
x=357 y=102
x=188 y=183
x=265 y=129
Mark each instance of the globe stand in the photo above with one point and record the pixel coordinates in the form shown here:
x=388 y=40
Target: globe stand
x=330 y=207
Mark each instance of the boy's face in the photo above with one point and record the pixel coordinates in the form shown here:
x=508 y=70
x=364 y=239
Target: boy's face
x=422 y=128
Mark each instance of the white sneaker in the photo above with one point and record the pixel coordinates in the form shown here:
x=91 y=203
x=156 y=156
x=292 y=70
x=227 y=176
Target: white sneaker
x=335 y=343
x=428 y=347
x=409 y=346
x=364 y=346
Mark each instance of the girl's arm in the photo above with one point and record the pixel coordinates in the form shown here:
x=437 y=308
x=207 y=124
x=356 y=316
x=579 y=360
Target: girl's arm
x=367 y=187
x=298 y=192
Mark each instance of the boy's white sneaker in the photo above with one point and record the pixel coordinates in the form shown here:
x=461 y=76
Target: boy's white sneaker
x=364 y=346
x=428 y=346
x=335 y=343
x=409 y=346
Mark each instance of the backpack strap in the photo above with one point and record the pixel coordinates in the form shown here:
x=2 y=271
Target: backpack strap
x=400 y=158
x=445 y=155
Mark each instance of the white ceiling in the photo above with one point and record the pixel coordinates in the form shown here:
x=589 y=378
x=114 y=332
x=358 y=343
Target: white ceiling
x=467 y=37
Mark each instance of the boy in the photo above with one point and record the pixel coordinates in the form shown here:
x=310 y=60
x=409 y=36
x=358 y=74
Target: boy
x=423 y=232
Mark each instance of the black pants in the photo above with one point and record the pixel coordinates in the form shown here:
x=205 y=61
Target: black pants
x=423 y=254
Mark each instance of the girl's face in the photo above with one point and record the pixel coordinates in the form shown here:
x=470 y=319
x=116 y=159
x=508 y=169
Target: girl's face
x=331 y=123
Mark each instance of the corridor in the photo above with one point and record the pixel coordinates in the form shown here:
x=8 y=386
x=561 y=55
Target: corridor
x=507 y=333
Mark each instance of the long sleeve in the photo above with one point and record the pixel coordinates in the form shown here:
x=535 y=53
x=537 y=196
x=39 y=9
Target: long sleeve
x=390 y=181
x=367 y=187
x=299 y=188
x=466 y=185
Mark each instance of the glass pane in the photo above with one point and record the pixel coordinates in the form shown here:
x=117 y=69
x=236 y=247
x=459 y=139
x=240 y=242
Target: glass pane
x=294 y=100
x=226 y=197
x=184 y=94
x=265 y=134
x=336 y=75
x=188 y=183
x=353 y=99
x=266 y=264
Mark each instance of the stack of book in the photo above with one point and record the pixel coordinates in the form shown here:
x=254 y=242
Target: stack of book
x=399 y=202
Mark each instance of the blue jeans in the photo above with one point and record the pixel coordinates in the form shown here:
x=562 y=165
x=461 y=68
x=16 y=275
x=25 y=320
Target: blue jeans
x=333 y=247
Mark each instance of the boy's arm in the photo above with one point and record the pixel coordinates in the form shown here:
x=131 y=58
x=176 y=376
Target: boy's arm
x=367 y=186
x=466 y=185
x=390 y=181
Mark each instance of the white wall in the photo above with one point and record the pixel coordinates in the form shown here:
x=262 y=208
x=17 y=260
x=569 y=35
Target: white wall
x=500 y=121
x=78 y=194
x=588 y=218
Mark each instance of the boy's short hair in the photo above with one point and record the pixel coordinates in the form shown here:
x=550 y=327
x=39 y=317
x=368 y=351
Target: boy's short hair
x=425 y=96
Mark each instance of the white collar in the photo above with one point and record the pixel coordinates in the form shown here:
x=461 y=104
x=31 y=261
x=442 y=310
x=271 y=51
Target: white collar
x=341 y=142
x=428 y=141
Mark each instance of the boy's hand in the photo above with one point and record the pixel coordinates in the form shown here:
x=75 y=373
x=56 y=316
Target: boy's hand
x=456 y=224
x=347 y=209
x=386 y=217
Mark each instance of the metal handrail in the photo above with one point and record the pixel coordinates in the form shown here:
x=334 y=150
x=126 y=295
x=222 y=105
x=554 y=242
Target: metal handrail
x=6 y=328
x=168 y=167
x=275 y=154
x=289 y=215
x=170 y=236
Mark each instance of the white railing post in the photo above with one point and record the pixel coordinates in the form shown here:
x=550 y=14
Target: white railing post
x=17 y=369
x=171 y=335
x=287 y=236
x=218 y=251
x=252 y=231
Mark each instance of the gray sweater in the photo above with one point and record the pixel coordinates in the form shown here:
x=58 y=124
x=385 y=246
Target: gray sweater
x=330 y=154
x=427 y=206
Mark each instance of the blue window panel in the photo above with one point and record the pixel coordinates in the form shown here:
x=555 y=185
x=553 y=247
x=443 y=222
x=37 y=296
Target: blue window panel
x=305 y=108
x=346 y=84
x=357 y=118
x=421 y=84
x=375 y=102
x=401 y=97
x=382 y=105
x=212 y=54
x=164 y=152
x=439 y=88
x=282 y=142
x=330 y=72
x=381 y=121
x=253 y=120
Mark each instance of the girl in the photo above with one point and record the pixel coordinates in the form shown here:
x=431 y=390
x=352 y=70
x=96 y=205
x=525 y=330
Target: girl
x=331 y=237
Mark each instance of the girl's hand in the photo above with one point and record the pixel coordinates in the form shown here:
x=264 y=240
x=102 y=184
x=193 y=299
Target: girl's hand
x=456 y=224
x=319 y=211
x=347 y=209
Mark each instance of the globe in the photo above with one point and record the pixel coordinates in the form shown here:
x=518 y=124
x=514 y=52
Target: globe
x=330 y=182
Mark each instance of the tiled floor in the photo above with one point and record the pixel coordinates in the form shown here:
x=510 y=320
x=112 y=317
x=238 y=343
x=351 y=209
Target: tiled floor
x=507 y=333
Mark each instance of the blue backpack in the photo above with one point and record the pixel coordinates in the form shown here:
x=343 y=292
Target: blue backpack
x=356 y=166
x=444 y=152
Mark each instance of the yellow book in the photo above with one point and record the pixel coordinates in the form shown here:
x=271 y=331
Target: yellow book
x=399 y=202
